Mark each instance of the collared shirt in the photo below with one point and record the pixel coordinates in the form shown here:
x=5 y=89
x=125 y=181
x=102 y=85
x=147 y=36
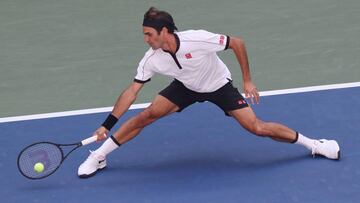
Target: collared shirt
x=195 y=62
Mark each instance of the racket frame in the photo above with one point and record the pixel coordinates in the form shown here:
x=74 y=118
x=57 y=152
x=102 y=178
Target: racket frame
x=63 y=157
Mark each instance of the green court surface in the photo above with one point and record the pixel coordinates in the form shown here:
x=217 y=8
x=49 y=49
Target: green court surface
x=68 y=55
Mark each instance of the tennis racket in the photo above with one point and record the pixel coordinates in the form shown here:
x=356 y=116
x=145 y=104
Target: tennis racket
x=50 y=155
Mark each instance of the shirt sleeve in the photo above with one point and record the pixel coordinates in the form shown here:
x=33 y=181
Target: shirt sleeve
x=145 y=68
x=212 y=42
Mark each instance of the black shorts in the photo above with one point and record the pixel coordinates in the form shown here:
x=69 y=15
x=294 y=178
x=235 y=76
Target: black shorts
x=227 y=97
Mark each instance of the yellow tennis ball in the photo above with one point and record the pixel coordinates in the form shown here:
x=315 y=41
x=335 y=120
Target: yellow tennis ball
x=39 y=167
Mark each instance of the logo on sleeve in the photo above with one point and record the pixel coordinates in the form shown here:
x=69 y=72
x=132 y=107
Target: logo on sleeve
x=188 y=56
x=222 y=38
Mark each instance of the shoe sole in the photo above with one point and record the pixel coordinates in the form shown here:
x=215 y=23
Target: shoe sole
x=91 y=174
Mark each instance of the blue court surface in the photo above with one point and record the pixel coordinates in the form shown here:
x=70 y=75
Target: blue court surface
x=200 y=155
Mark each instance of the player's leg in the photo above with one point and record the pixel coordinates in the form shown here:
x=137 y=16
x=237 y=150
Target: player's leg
x=247 y=118
x=173 y=98
x=160 y=107
x=232 y=103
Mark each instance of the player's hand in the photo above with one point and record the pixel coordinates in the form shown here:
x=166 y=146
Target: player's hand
x=251 y=92
x=101 y=133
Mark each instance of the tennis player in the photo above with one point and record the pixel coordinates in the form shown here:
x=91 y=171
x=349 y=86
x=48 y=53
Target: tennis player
x=190 y=57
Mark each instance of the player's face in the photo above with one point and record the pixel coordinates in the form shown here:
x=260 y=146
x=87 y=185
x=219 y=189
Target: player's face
x=152 y=37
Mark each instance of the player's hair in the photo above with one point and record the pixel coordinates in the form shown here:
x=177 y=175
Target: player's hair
x=154 y=14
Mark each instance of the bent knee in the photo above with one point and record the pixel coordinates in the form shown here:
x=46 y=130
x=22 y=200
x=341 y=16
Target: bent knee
x=148 y=115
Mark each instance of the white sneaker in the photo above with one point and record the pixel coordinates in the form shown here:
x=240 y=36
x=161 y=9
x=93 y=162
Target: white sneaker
x=91 y=165
x=327 y=148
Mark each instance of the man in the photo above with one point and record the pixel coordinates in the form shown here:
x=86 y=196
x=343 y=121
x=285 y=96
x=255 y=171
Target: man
x=190 y=58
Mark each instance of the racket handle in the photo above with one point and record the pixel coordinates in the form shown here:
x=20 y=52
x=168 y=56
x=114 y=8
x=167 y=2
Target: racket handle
x=89 y=140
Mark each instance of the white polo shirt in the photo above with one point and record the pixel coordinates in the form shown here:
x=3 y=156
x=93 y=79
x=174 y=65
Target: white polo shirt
x=195 y=62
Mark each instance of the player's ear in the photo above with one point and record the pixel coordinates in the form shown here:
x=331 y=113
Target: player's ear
x=164 y=31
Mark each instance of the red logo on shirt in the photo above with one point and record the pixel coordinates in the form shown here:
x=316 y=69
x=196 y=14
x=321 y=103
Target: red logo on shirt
x=188 y=56
x=222 y=38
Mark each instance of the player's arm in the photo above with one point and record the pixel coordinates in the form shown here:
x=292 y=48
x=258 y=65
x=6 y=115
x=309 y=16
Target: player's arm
x=128 y=96
x=123 y=103
x=126 y=99
x=238 y=46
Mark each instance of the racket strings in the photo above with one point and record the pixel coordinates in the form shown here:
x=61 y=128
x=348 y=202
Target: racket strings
x=48 y=154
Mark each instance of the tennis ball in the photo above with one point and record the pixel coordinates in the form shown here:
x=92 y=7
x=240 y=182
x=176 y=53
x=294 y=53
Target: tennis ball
x=39 y=167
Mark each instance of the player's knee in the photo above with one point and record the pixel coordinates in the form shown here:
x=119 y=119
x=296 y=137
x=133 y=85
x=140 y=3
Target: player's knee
x=259 y=128
x=148 y=116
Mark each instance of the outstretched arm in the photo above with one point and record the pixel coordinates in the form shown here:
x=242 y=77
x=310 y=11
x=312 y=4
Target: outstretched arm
x=126 y=99
x=123 y=103
x=238 y=46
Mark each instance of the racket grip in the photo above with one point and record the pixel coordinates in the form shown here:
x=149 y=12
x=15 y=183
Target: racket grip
x=89 y=140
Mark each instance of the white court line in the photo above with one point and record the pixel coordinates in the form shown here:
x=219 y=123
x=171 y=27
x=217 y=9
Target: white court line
x=67 y=113
x=144 y=105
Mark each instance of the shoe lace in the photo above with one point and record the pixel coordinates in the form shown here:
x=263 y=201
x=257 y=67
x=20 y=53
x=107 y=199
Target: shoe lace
x=314 y=149
x=90 y=156
x=313 y=152
x=94 y=156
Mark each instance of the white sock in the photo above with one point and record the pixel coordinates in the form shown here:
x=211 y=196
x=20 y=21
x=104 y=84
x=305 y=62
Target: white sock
x=108 y=146
x=305 y=141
